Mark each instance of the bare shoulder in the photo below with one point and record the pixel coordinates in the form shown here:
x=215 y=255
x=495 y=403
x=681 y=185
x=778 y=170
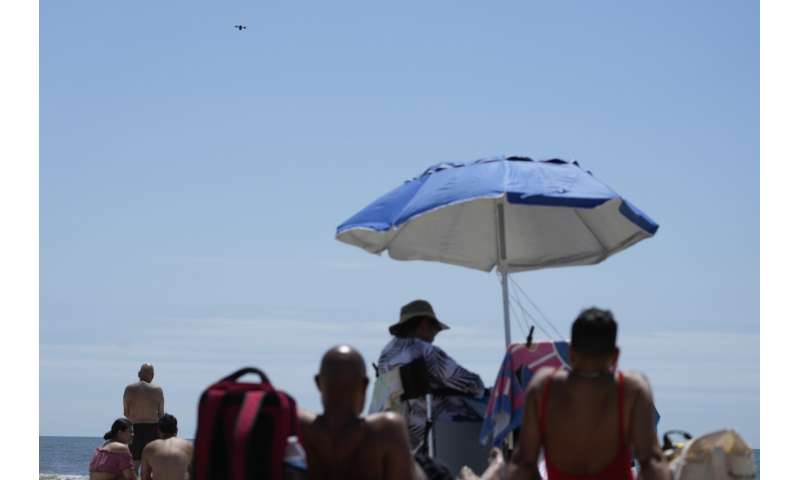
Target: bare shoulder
x=386 y=423
x=386 y=420
x=117 y=447
x=183 y=444
x=305 y=417
x=539 y=378
x=305 y=420
x=153 y=445
x=637 y=383
x=136 y=388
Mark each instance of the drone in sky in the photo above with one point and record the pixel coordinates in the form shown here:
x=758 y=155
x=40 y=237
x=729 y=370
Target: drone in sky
x=240 y=27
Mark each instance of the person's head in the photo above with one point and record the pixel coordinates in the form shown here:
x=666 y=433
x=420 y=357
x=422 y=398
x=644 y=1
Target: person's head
x=417 y=320
x=146 y=372
x=167 y=426
x=342 y=380
x=121 y=431
x=594 y=340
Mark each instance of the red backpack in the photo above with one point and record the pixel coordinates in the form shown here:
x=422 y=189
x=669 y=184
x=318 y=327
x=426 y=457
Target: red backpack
x=242 y=429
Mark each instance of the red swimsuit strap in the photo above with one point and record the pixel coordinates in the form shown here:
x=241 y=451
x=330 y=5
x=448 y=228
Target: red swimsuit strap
x=619 y=467
x=621 y=401
x=543 y=405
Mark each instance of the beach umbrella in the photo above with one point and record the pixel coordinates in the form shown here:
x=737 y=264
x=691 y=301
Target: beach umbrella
x=511 y=214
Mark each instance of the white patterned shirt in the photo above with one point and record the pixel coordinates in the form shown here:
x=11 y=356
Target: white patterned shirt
x=444 y=372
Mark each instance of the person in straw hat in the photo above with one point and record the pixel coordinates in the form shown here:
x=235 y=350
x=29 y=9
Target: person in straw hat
x=413 y=336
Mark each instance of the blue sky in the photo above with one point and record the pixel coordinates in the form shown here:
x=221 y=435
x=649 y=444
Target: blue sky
x=192 y=177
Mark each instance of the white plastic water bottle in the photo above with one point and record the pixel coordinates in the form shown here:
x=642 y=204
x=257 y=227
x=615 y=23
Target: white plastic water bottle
x=295 y=455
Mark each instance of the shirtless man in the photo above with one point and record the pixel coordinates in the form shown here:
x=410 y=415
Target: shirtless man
x=589 y=420
x=143 y=405
x=339 y=443
x=169 y=457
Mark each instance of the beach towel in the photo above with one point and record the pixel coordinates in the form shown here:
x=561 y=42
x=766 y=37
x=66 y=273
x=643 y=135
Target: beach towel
x=387 y=393
x=507 y=399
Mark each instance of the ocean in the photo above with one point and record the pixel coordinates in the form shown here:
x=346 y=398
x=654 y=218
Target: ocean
x=67 y=458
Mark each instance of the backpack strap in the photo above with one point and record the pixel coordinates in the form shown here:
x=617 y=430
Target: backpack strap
x=285 y=425
x=207 y=419
x=241 y=432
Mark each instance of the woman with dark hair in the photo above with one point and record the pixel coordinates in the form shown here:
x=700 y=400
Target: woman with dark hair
x=113 y=460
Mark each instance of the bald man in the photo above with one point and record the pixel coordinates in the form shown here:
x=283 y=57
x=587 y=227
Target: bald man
x=340 y=443
x=143 y=405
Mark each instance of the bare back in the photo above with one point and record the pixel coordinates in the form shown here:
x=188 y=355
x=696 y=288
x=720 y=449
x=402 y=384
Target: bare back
x=375 y=448
x=582 y=424
x=167 y=459
x=143 y=402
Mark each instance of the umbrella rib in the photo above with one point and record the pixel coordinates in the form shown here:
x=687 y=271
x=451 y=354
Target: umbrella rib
x=560 y=261
x=596 y=238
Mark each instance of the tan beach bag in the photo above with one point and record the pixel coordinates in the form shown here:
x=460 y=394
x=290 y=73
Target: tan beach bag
x=721 y=455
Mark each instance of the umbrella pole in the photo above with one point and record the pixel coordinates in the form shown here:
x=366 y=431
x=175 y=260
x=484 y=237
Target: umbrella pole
x=505 y=308
x=503 y=266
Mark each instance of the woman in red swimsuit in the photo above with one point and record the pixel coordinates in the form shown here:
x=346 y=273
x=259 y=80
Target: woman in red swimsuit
x=592 y=420
x=113 y=460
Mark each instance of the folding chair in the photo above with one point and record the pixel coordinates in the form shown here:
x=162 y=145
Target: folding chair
x=417 y=384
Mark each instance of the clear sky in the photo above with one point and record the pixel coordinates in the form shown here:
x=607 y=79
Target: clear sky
x=192 y=177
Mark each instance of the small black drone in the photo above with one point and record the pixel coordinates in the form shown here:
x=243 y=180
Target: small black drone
x=240 y=27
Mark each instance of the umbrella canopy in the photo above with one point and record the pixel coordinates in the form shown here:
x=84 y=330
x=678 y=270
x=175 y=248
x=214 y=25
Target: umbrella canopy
x=508 y=213
x=556 y=214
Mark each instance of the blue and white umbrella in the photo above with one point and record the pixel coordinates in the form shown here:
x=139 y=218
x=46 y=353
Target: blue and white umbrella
x=509 y=213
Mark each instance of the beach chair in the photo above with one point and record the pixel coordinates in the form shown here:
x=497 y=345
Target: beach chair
x=411 y=381
x=416 y=383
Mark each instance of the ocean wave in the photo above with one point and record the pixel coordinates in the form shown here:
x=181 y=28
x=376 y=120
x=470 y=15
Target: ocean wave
x=58 y=476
